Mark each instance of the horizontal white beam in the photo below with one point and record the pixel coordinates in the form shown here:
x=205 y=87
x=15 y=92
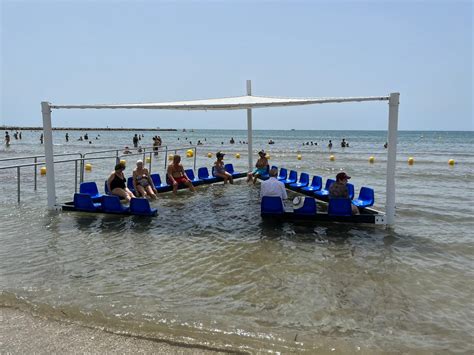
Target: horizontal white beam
x=231 y=103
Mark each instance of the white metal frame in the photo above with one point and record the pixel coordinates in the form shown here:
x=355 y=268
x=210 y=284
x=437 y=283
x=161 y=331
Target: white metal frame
x=246 y=102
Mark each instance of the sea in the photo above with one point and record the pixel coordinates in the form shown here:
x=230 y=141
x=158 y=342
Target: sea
x=208 y=272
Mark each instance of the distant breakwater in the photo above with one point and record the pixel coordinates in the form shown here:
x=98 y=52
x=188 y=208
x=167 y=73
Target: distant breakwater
x=18 y=128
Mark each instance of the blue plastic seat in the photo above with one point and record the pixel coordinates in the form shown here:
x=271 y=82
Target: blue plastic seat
x=282 y=174
x=195 y=180
x=308 y=208
x=325 y=192
x=83 y=202
x=203 y=174
x=159 y=185
x=366 y=198
x=130 y=184
x=91 y=189
x=350 y=189
x=316 y=184
x=141 y=206
x=292 y=178
x=271 y=205
x=304 y=181
x=339 y=207
x=111 y=204
x=230 y=169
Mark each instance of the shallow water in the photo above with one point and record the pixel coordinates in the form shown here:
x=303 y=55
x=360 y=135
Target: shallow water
x=208 y=271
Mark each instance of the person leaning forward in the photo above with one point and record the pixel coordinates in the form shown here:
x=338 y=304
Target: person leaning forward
x=176 y=175
x=339 y=189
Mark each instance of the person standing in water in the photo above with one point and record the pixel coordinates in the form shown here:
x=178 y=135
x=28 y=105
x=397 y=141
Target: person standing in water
x=7 y=139
x=67 y=137
x=330 y=144
x=41 y=138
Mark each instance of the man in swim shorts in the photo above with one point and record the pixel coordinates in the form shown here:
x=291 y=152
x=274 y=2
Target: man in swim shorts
x=176 y=175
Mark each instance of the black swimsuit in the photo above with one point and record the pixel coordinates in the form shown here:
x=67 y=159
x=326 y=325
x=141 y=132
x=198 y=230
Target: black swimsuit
x=117 y=182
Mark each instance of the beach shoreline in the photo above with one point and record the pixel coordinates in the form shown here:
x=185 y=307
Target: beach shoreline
x=22 y=333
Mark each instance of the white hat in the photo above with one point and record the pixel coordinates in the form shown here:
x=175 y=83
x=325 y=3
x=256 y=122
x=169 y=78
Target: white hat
x=298 y=202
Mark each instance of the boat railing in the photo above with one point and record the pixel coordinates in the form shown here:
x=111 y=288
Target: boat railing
x=80 y=163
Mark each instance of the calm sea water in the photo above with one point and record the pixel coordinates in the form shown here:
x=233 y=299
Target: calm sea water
x=208 y=271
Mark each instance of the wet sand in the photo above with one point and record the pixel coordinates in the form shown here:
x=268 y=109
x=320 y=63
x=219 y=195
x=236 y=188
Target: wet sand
x=22 y=333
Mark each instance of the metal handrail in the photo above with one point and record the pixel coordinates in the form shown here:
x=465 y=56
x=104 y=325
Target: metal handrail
x=38 y=156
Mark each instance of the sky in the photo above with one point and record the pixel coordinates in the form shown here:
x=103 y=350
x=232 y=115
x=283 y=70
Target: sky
x=87 y=52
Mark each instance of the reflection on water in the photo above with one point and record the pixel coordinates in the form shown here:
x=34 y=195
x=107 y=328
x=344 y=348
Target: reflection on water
x=209 y=270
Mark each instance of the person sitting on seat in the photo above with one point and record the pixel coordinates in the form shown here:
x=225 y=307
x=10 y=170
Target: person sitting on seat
x=142 y=181
x=260 y=167
x=339 y=189
x=219 y=168
x=117 y=183
x=273 y=187
x=176 y=175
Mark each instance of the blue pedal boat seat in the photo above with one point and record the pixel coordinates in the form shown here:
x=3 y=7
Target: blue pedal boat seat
x=111 y=204
x=316 y=184
x=339 y=207
x=83 y=202
x=203 y=174
x=304 y=181
x=130 y=184
x=366 y=198
x=91 y=189
x=308 y=208
x=195 y=180
x=271 y=206
x=230 y=169
x=350 y=189
x=292 y=178
x=141 y=206
x=282 y=174
x=159 y=185
x=325 y=192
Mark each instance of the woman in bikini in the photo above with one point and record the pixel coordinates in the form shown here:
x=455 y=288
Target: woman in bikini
x=142 y=181
x=219 y=169
x=117 y=183
x=176 y=175
x=260 y=167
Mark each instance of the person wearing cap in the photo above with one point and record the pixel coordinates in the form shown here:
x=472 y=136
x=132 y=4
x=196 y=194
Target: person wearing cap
x=117 y=183
x=142 y=181
x=219 y=168
x=273 y=187
x=260 y=167
x=339 y=189
x=175 y=175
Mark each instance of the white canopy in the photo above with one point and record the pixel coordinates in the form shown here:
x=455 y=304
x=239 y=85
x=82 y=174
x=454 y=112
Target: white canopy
x=226 y=103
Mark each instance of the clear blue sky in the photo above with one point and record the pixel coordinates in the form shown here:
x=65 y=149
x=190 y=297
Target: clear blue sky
x=75 y=52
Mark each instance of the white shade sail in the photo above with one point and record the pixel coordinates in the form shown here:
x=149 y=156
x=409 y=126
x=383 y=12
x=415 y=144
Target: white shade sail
x=227 y=103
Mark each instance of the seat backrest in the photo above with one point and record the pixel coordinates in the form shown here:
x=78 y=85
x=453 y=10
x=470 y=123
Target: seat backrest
x=283 y=174
x=140 y=205
x=274 y=167
x=329 y=182
x=229 y=168
x=317 y=182
x=304 y=178
x=293 y=175
x=89 y=188
x=130 y=183
x=339 y=207
x=111 y=203
x=271 y=205
x=309 y=206
x=203 y=173
x=366 y=194
x=83 y=202
x=350 y=189
x=156 y=179
x=190 y=173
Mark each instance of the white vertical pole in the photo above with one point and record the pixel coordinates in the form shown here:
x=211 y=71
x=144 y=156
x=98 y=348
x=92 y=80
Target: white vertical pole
x=391 y=156
x=48 y=155
x=249 y=128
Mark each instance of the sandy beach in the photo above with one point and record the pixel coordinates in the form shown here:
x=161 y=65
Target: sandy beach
x=23 y=333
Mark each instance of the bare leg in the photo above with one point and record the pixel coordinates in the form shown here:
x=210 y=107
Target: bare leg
x=229 y=176
x=249 y=177
x=150 y=192
x=121 y=193
x=190 y=185
x=175 y=188
x=141 y=191
x=355 y=210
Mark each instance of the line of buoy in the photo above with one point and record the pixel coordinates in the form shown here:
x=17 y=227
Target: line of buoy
x=451 y=162
x=88 y=167
x=237 y=155
x=332 y=158
x=299 y=157
x=411 y=161
x=371 y=160
x=209 y=155
x=122 y=161
x=189 y=153
x=148 y=159
x=43 y=170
